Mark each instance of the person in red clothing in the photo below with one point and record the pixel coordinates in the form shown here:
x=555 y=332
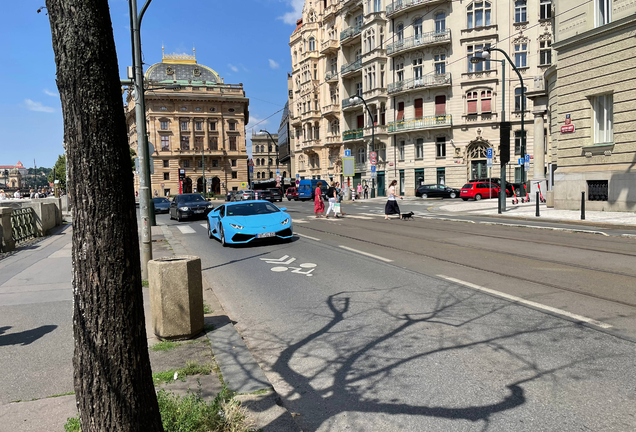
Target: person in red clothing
x=319 y=205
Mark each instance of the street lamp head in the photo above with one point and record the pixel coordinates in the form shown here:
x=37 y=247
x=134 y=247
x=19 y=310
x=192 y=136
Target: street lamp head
x=480 y=56
x=354 y=99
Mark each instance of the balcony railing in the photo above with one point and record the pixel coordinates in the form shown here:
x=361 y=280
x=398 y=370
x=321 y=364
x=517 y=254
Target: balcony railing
x=352 y=134
x=329 y=44
x=419 y=40
x=425 y=81
x=399 y=5
x=330 y=75
x=347 y=103
x=350 y=32
x=428 y=122
x=350 y=67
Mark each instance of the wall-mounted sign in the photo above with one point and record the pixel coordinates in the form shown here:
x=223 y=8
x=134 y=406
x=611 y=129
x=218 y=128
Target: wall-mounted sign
x=568 y=119
x=568 y=128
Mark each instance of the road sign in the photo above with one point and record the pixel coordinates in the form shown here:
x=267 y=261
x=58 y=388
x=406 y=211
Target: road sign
x=373 y=155
x=297 y=182
x=243 y=185
x=251 y=162
x=182 y=174
x=526 y=167
x=372 y=168
x=251 y=169
x=163 y=185
x=347 y=153
x=277 y=178
x=297 y=176
x=520 y=161
x=568 y=128
x=348 y=167
x=489 y=162
x=527 y=158
x=277 y=173
x=489 y=153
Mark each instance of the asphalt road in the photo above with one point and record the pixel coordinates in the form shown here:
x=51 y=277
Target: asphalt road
x=363 y=324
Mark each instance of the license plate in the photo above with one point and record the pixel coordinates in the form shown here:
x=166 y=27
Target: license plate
x=199 y=211
x=264 y=235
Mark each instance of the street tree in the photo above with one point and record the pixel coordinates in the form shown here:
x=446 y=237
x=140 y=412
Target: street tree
x=113 y=380
x=59 y=172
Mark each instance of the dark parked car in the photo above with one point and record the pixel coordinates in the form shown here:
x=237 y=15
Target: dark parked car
x=292 y=194
x=264 y=194
x=277 y=195
x=189 y=205
x=162 y=205
x=229 y=195
x=436 y=191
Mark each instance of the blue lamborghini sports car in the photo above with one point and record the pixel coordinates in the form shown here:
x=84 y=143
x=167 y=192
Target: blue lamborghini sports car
x=246 y=221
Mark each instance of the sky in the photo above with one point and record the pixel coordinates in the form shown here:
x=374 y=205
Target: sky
x=245 y=41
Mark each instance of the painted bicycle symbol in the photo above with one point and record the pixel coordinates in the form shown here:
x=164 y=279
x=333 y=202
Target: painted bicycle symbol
x=305 y=268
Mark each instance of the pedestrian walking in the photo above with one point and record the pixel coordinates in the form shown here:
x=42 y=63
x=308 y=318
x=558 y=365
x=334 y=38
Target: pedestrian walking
x=332 y=194
x=359 y=190
x=366 y=191
x=3 y=196
x=319 y=206
x=17 y=194
x=33 y=194
x=391 y=206
x=340 y=197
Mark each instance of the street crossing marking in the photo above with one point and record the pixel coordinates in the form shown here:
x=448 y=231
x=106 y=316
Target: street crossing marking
x=306 y=236
x=300 y=221
x=185 y=229
x=516 y=299
x=365 y=253
x=204 y=225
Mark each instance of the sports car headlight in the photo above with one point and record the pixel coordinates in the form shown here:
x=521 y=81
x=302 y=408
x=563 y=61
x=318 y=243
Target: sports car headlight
x=285 y=222
x=238 y=227
x=184 y=208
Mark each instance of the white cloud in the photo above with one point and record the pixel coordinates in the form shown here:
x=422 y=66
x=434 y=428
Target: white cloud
x=297 y=13
x=50 y=93
x=234 y=68
x=273 y=64
x=37 y=106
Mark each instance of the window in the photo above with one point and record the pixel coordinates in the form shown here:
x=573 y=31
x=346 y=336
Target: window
x=518 y=106
x=417 y=28
x=603 y=9
x=214 y=143
x=476 y=50
x=234 y=175
x=418 y=106
x=518 y=141
x=478 y=14
x=269 y=162
x=164 y=125
x=440 y=22
x=401 y=150
x=486 y=98
x=185 y=143
x=441 y=176
x=198 y=126
x=166 y=163
x=400 y=114
x=440 y=148
x=381 y=150
x=545 y=9
x=198 y=143
x=359 y=21
x=312 y=44
x=258 y=162
x=603 y=118
x=200 y=163
x=233 y=143
x=258 y=175
x=400 y=71
x=359 y=88
x=232 y=126
x=215 y=163
x=521 y=55
x=440 y=105
x=419 y=148
x=184 y=125
x=165 y=143
x=377 y=6
x=417 y=71
x=212 y=126
x=186 y=163
x=166 y=192
x=233 y=162
x=471 y=98
x=362 y=155
x=163 y=109
x=440 y=64
x=545 y=53
x=399 y=33
x=521 y=14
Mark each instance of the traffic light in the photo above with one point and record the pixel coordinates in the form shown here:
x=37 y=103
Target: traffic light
x=504 y=142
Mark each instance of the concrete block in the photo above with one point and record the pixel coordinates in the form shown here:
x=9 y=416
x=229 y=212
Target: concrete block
x=176 y=296
x=549 y=199
x=6 y=234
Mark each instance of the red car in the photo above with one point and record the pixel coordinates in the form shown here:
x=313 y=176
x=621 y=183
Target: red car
x=292 y=194
x=479 y=190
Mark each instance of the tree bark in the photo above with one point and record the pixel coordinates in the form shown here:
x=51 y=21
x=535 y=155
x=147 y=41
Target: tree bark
x=113 y=379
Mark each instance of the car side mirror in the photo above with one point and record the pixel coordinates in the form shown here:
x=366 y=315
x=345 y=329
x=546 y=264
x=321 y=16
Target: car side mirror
x=283 y=208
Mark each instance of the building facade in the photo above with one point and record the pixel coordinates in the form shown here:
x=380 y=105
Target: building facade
x=265 y=157
x=433 y=113
x=195 y=122
x=285 y=155
x=591 y=99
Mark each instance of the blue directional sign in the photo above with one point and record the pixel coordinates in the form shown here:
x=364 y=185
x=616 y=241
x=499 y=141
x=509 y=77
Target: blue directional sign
x=520 y=161
x=489 y=153
x=527 y=158
x=347 y=152
x=297 y=176
x=372 y=168
x=251 y=169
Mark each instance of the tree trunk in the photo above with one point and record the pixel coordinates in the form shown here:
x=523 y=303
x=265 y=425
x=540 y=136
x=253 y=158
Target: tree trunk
x=113 y=380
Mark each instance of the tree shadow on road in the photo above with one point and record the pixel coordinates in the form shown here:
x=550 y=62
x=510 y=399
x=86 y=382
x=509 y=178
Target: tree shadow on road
x=26 y=337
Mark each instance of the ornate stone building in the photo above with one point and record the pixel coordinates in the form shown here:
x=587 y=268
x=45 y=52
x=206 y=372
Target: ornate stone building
x=194 y=120
x=264 y=155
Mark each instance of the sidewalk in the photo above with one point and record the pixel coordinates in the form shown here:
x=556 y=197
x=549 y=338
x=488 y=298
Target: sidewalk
x=36 y=280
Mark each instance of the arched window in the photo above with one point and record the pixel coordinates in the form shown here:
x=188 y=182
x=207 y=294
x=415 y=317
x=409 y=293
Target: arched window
x=471 y=98
x=312 y=44
x=263 y=161
x=417 y=29
x=399 y=32
x=440 y=22
x=478 y=14
x=270 y=161
x=271 y=174
x=269 y=148
x=258 y=175
x=258 y=162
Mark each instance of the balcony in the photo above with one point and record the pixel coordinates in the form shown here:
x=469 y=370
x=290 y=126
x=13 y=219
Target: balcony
x=333 y=140
x=331 y=76
x=329 y=46
x=404 y=5
x=429 y=122
x=346 y=103
x=352 y=134
x=309 y=115
x=420 y=82
x=431 y=38
x=350 y=32
x=332 y=110
x=351 y=67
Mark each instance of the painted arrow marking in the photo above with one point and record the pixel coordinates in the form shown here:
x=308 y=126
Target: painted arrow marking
x=279 y=261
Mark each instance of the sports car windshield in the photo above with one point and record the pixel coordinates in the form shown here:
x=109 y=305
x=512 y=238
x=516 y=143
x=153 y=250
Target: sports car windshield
x=250 y=209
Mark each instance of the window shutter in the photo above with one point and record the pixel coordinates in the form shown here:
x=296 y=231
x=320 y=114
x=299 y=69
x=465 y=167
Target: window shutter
x=400 y=115
x=440 y=105
x=360 y=121
x=472 y=107
x=419 y=111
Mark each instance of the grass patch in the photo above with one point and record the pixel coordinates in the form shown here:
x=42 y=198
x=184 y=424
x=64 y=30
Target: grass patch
x=191 y=413
x=207 y=309
x=61 y=394
x=192 y=368
x=164 y=346
x=144 y=283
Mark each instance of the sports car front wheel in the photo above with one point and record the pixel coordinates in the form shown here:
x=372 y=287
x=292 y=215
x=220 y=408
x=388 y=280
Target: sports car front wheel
x=222 y=236
x=209 y=230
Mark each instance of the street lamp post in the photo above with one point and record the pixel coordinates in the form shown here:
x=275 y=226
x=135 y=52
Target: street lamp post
x=276 y=147
x=355 y=99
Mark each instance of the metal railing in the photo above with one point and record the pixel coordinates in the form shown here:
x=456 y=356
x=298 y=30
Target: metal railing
x=22 y=224
x=351 y=31
x=421 y=123
x=425 y=81
x=329 y=75
x=398 y=5
x=349 y=67
x=415 y=41
x=347 y=102
x=352 y=134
